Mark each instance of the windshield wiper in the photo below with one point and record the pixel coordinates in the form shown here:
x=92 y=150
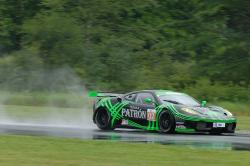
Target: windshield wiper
x=172 y=101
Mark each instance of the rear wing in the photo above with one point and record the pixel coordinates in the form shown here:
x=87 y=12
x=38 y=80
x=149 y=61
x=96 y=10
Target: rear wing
x=103 y=94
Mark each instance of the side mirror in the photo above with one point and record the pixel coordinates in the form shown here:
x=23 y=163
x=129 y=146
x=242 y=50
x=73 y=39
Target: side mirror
x=92 y=94
x=148 y=100
x=203 y=103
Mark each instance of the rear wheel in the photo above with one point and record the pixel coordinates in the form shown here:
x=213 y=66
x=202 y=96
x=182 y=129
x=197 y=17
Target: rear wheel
x=166 y=122
x=103 y=120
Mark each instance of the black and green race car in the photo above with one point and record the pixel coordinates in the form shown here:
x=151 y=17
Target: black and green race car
x=160 y=110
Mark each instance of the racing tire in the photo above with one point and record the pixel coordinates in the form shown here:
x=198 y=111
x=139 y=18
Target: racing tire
x=103 y=120
x=166 y=122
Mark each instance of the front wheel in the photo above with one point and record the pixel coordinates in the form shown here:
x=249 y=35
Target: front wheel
x=166 y=122
x=103 y=121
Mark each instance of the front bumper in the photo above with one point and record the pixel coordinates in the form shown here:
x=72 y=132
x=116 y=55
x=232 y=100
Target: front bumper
x=208 y=127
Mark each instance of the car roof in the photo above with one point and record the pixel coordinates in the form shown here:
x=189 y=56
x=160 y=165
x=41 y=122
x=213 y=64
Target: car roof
x=167 y=92
x=160 y=92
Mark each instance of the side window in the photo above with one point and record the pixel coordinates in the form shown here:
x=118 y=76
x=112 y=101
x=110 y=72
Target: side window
x=141 y=96
x=130 y=97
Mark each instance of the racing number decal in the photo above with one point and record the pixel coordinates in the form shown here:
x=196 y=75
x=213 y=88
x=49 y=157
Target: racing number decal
x=151 y=114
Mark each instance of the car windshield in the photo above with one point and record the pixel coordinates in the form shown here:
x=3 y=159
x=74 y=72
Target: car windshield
x=179 y=98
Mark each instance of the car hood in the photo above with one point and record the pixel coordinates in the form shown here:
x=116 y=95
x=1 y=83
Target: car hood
x=210 y=112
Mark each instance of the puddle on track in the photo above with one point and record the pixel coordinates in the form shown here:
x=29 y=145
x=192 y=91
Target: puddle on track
x=193 y=144
x=237 y=141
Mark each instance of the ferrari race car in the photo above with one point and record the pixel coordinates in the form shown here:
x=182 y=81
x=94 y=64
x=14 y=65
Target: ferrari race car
x=159 y=110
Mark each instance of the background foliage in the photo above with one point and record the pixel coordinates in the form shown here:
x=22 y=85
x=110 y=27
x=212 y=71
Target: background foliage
x=201 y=47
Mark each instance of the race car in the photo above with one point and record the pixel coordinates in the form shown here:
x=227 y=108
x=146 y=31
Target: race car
x=159 y=110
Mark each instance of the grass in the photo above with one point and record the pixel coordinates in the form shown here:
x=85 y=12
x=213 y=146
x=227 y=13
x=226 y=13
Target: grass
x=71 y=99
x=20 y=111
x=41 y=151
x=243 y=123
x=38 y=115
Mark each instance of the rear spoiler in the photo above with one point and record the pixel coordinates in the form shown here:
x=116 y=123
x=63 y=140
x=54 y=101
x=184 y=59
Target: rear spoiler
x=103 y=94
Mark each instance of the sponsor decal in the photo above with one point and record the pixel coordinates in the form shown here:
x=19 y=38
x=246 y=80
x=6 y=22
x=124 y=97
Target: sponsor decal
x=124 y=122
x=134 y=107
x=218 y=125
x=151 y=114
x=180 y=126
x=133 y=113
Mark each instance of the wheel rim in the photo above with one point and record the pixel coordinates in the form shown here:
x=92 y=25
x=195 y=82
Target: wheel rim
x=102 y=118
x=165 y=122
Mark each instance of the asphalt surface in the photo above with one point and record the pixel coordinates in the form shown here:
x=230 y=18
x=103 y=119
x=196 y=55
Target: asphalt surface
x=237 y=141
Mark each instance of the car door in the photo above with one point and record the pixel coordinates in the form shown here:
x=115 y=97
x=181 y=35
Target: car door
x=137 y=110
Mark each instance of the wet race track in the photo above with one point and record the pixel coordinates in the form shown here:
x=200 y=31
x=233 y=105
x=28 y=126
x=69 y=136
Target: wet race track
x=237 y=141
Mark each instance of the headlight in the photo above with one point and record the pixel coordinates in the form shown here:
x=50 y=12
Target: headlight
x=190 y=111
x=228 y=113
